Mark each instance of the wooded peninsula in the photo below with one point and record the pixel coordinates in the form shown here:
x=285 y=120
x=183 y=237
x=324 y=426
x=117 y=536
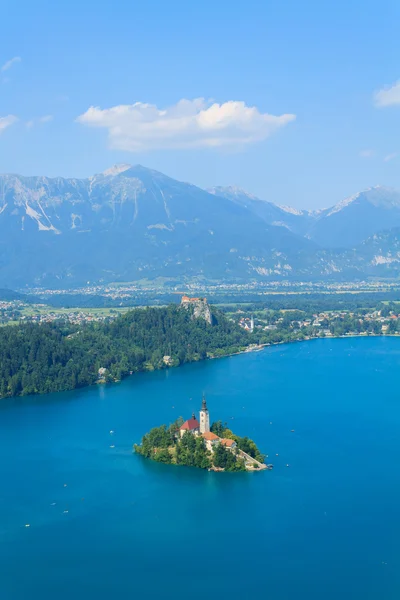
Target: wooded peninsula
x=52 y=357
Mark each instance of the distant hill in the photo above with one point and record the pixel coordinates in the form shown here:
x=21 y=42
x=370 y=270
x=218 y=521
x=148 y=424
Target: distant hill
x=9 y=295
x=379 y=255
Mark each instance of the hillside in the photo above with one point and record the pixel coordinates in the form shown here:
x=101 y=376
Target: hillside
x=36 y=359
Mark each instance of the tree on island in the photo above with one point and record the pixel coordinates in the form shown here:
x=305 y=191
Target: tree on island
x=243 y=443
x=227 y=460
x=165 y=445
x=157 y=438
x=218 y=428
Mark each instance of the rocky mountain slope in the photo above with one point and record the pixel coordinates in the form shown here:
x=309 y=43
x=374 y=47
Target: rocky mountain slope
x=132 y=223
x=297 y=221
x=357 y=218
x=344 y=225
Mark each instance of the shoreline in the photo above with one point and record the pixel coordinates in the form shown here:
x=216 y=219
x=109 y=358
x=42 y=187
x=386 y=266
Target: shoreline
x=259 y=347
x=250 y=349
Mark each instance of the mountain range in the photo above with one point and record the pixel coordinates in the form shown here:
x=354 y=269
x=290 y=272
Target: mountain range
x=131 y=223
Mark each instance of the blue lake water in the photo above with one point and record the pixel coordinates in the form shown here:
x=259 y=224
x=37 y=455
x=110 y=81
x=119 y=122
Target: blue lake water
x=327 y=526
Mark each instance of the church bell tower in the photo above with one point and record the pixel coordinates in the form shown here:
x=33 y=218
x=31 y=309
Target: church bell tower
x=204 y=417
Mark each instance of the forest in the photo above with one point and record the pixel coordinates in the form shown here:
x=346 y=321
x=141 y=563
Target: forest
x=51 y=357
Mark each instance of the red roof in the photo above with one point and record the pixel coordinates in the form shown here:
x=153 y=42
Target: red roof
x=209 y=435
x=190 y=424
x=227 y=442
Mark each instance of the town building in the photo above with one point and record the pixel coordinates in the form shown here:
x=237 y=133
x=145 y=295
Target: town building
x=228 y=443
x=192 y=425
x=211 y=440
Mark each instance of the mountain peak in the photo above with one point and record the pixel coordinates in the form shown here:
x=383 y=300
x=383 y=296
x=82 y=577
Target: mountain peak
x=232 y=191
x=377 y=195
x=291 y=210
x=116 y=170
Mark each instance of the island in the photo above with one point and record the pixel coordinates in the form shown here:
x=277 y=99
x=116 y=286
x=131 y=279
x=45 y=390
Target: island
x=194 y=443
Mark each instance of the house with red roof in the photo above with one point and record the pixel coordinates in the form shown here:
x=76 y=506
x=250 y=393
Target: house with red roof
x=228 y=443
x=211 y=439
x=192 y=425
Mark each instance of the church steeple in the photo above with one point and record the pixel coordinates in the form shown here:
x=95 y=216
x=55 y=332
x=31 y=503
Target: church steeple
x=204 y=417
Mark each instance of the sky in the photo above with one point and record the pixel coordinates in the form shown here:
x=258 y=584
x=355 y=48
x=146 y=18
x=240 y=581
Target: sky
x=296 y=102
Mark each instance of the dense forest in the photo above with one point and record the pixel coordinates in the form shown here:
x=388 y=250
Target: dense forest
x=36 y=359
x=164 y=444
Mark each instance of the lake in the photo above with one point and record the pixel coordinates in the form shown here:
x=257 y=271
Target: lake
x=105 y=523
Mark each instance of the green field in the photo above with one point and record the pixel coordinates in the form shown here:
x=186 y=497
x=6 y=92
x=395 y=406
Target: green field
x=39 y=309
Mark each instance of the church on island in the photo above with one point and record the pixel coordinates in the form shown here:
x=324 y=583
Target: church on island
x=195 y=444
x=202 y=428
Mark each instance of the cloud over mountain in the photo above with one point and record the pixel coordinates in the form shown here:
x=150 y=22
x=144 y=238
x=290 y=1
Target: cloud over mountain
x=187 y=124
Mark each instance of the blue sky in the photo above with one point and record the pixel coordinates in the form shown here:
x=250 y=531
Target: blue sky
x=290 y=110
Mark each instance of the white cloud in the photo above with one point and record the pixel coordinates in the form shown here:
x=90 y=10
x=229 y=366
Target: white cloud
x=389 y=157
x=44 y=119
x=367 y=153
x=388 y=96
x=7 y=121
x=7 y=65
x=187 y=124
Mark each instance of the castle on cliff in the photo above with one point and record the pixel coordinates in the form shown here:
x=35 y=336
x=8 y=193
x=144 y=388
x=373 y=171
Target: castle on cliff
x=201 y=308
x=188 y=300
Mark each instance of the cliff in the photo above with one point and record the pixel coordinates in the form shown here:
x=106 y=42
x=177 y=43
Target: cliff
x=201 y=308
